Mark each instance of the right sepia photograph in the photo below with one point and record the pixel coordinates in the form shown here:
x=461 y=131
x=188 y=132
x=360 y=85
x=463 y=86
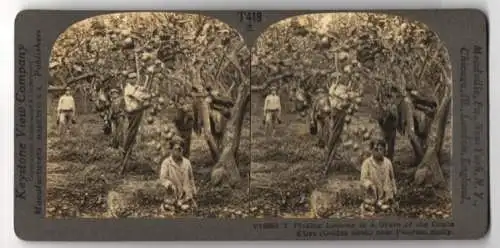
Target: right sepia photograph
x=351 y=118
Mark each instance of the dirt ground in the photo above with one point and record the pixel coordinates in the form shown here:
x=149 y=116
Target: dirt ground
x=81 y=170
x=285 y=169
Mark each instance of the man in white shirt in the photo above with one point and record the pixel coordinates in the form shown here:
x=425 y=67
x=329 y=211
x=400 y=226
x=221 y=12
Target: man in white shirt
x=131 y=96
x=66 y=111
x=134 y=99
x=272 y=108
x=338 y=93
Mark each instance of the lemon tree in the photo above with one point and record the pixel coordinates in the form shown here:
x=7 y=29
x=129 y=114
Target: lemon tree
x=386 y=64
x=168 y=54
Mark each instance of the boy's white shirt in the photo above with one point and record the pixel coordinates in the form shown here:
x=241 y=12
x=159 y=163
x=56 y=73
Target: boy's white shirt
x=178 y=175
x=381 y=175
x=272 y=102
x=66 y=102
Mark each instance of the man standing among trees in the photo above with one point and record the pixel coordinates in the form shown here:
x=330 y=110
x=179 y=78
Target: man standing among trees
x=377 y=179
x=338 y=93
x=116 y=117
x=65 y=111
x=134 y=98
x=272 y=110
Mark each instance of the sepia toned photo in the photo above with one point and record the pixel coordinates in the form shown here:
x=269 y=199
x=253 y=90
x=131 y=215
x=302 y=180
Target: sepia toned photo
x=163 y=115
x=146 y=118
x=251 y=125
x=350 y=119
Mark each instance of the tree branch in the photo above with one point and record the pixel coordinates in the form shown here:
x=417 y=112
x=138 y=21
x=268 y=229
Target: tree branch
x=78 y=78
x=233 y=60
x=269 y=81
x=429 y=62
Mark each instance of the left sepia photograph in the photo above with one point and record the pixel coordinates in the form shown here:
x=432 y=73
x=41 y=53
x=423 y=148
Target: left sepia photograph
x=146 y=118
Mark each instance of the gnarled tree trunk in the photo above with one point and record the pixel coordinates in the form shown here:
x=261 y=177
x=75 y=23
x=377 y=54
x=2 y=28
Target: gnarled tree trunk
x=226 y=169
x=207 y=130
x=429 y=170
x=407 y=112
x=335 y=127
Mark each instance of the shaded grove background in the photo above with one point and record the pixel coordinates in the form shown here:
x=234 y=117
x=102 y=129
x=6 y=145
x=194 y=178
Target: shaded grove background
x=177 y=52
x=377 y=57
x=369 y=53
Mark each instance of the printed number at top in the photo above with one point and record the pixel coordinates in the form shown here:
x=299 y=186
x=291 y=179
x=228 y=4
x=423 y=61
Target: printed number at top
x=250 y=16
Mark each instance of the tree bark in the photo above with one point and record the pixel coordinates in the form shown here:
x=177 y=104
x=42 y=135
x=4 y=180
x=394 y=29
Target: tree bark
x=335 y=128
x=429 y=170
x=208 y=132
x=78 y=78
x=442 y=124
x=226 y=169
x=409 y=126
x=269 y=81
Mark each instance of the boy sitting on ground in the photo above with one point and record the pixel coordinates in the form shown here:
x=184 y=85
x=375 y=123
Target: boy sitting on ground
x=377 y=179
x=176 y=173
